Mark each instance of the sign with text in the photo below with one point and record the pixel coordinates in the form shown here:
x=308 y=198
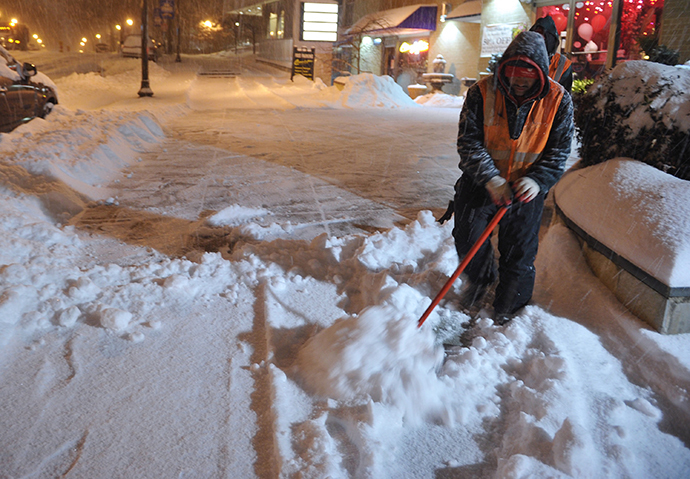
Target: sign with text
x=319 y=22
x=303 y=62
x=167 y=9
x=496 y=38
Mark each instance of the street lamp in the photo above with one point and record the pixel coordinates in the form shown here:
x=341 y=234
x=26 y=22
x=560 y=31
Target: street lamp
x=145 y=89
x=130 y=24
x=178 y=59
x=118 y=27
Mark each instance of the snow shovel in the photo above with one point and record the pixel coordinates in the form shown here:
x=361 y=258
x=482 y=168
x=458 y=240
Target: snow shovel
x=468 y=257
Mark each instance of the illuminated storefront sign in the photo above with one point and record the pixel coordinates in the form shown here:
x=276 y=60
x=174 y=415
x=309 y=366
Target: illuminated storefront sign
x=319 y=22
x=417 y=47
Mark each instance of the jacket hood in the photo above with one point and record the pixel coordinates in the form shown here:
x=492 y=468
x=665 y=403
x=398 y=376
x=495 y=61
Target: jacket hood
x=551 y=36
x=527 y=47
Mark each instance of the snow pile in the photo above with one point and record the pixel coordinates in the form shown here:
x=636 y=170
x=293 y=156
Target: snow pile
x=440 y=100
x=378 y=354
x=235 y=215
x=85 y=150
x=371 y=91
x=360 y=91
x=643 y=214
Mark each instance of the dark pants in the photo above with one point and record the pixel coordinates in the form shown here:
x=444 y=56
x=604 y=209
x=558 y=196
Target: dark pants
x=518 y=239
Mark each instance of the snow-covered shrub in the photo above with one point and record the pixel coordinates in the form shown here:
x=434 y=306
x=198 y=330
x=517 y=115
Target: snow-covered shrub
x=658 y=53
x=639 y=110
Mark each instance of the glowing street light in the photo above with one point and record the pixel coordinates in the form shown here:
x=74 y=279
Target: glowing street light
x=208 y=23
x=118 y=27
x=83 y=39
x=130 y=22
x=98 y=36
x=35 y=36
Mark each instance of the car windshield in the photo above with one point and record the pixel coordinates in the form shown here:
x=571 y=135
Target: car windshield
x=8 y=65
x=7 y=59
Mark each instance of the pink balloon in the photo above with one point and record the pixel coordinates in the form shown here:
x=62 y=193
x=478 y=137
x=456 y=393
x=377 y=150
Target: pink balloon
x=598 y=22
x=585 y=31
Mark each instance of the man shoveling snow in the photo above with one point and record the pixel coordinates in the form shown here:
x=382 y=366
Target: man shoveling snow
x=514 y=137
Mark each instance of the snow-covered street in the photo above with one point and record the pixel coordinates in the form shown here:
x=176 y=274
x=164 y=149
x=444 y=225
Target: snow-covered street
x=224 y=280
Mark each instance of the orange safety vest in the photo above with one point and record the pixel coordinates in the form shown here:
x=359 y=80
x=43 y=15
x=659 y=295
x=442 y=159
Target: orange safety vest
x=559 y=64
x=513 y=157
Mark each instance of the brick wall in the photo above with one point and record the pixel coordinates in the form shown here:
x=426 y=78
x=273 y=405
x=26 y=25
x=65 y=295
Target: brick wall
x=675 y=33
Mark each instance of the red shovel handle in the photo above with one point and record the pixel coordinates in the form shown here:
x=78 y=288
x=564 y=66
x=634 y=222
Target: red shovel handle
x=468 y=257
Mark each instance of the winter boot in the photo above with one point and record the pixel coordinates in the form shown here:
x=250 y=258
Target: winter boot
x=501 y=319
x=472 y=295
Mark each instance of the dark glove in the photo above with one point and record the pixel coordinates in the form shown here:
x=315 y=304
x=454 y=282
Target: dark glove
x=449 y=212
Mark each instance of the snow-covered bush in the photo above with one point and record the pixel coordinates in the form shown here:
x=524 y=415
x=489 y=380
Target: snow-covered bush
x=640 y=110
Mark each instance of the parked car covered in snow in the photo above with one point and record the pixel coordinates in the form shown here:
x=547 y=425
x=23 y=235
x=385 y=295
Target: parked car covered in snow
x=131 y=47
x=24 y=92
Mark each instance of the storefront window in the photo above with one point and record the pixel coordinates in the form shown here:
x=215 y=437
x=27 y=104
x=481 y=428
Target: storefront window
x=639 y=19
x=275 y=12
x=413 y=55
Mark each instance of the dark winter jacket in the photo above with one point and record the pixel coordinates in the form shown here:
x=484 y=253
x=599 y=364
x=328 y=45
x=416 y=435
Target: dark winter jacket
x=552 y=38
x=475 y=160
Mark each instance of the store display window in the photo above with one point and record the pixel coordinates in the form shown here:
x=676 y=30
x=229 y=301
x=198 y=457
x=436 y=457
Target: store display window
x=593 y=21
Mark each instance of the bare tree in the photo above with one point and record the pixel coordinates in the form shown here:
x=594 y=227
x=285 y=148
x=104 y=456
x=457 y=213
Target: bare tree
x=348 y=54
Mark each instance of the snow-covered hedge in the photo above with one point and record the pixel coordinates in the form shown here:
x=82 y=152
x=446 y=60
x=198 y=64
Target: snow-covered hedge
x=640 y=110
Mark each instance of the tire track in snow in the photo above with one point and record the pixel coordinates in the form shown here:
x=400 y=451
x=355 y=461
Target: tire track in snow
x=268 y=462
x=311 y=183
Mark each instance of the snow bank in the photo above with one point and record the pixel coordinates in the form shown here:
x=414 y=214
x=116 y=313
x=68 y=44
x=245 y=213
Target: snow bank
x=360 y=91
x=372 y=91
x=637 y=211
x=86 y=150
x=440 y=100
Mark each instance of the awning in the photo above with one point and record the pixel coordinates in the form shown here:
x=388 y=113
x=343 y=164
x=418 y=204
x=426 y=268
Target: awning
x=470 y=12
x=413 y=19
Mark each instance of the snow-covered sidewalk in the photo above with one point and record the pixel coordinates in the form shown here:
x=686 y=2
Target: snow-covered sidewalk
x=283 y=355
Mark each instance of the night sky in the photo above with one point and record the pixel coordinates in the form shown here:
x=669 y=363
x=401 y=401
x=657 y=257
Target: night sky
x=70 y=20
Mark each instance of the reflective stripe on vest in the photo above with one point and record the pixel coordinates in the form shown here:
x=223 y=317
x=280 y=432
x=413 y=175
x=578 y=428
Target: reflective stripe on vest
x=513 y=157
x=559 y=64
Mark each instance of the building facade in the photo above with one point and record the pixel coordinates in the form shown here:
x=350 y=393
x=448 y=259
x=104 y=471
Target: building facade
x=402 y=38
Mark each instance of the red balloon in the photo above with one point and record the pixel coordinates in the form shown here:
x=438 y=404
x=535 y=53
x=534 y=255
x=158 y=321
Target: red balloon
x=560 y=21
x=598 y=22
